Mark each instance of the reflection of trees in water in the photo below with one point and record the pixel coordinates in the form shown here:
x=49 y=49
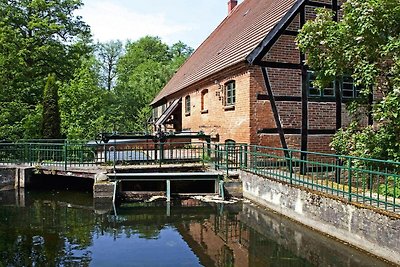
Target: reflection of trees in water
x=60 y=232
x=44 y=233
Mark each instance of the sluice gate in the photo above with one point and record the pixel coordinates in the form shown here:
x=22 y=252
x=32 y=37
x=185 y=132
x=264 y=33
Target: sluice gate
x=138 y=184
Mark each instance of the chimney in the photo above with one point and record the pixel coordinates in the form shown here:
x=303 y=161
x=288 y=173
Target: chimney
x=231 y=5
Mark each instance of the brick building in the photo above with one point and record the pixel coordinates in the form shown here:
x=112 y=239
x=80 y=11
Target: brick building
x=247 y=82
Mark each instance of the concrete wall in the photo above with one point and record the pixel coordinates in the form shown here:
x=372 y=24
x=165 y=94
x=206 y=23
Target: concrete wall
x=7 y=177
x=364 y=228
x=303 y=242
x=15 y=177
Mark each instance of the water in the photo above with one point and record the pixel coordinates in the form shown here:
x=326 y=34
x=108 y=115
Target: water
x=62 y=228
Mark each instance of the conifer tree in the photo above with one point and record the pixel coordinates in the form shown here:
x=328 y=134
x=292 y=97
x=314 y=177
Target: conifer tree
x=51 y=113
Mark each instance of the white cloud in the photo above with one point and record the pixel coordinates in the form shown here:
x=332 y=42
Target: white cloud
x=110 y=21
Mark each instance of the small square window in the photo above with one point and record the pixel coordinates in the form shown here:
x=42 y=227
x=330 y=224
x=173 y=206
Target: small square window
x=315 y=92
x=349 y=89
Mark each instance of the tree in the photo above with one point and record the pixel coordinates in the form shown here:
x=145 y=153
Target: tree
x=180 y=52
x=142 y=72
x=365 y=44
x=108 y=55
x=51 y=114
x=84 y=105
x=37 y=37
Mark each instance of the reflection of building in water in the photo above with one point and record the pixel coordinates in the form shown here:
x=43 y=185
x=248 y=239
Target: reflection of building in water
x=218 y=241
x=223 y=240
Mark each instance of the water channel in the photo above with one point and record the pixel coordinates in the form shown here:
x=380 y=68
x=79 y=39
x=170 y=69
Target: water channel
x=62 y=228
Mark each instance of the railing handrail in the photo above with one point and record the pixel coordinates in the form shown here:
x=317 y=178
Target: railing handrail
x=351 y=177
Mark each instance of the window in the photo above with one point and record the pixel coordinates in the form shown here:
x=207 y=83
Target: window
x=349 y=89
x=187 y=105
x=203 y=100
x=230 y=94
x=155 y=113
x=316 y=92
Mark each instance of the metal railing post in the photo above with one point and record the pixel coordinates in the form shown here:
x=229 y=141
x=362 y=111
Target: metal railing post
x=227 y=160
x=161 y=153
x=65 y=156
x=29 y=154
x=349 y=177
x=291 y=166
x=240 y=156
x=216 y=155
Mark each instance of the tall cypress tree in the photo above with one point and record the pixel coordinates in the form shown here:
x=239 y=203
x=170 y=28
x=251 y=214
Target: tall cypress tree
x=51 y=128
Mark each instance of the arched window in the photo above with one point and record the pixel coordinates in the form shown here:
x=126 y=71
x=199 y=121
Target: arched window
x=203 y=100
x=230 y=93
x=187 y=105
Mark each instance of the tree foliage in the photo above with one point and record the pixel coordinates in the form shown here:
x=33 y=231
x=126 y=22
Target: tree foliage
x=102 y=87
x=142 y=72
x=108 y=54
x=51 y=120
x=83 y=103
x=37 y=38
x=365 y=44
x=88 y=107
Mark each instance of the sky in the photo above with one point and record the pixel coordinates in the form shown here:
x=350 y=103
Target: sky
x=189 y=21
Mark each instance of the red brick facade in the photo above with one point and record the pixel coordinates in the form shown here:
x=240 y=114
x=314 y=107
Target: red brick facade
x=250 y=116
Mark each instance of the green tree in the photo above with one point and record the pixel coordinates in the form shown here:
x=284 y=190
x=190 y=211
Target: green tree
x=108 y=55
x=51 y=120
x=143 y=71
x=37 y=37
x=365 y=44
x=84 y=104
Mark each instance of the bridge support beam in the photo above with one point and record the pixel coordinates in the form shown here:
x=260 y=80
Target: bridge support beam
x=23 y=176
x=168 y=190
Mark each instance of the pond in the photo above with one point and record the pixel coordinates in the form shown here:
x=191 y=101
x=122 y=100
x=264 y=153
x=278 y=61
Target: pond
x=63 y=228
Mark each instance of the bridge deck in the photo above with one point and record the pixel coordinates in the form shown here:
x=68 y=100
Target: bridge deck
x=165 y=176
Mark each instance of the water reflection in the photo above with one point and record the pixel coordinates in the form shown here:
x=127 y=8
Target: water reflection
x=64 y=229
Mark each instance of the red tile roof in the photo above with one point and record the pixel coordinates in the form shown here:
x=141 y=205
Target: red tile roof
x=230 y=43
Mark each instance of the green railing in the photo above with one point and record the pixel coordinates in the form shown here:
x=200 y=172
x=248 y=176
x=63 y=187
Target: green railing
x=366 y=181
x=68 y=154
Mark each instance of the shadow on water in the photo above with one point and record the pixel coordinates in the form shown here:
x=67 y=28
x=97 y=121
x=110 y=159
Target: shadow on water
x=61 y=228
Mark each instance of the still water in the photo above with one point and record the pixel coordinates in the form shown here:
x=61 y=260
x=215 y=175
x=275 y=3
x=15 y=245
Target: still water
x=64 y=228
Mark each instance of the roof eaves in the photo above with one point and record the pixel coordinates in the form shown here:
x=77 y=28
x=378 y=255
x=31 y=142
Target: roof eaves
x=258 y=53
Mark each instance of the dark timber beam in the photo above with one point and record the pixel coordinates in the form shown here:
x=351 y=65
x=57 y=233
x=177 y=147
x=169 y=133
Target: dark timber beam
x=288 y=98
x=298 y=98
x=370 y=102
x=291 y=33
x=274 y=109
x=279 y=65
x=261 y=50
x=304 y=101
x=318 y=4
x=297 y=131
x=338 y=97
x=338 y=93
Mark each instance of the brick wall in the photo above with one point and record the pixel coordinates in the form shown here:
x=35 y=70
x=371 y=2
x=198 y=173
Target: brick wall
x=287 y=82
x=250 y=115
x=215 y=118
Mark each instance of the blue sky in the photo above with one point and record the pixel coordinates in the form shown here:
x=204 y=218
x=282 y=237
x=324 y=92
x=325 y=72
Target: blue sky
x=189 y=21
